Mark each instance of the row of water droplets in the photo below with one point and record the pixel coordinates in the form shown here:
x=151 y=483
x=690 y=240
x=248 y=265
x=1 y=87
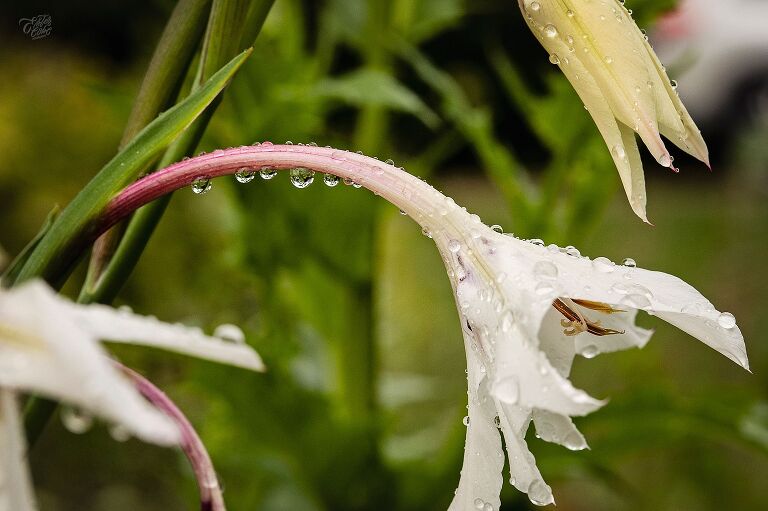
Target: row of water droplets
x=301 y=177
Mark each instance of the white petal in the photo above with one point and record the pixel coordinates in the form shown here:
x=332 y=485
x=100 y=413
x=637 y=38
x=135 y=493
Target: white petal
x=662 y=294
x=15 y=487
x=524 y=474
x=55 y=358
x=481 y=478
x=126 y=327
x=558 y=429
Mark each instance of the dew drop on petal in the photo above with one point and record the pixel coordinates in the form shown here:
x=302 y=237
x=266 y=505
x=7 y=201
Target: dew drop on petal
x=629 y=262
x=536 y=241
x=331 y=180
x=454 y=246
x=230 y=332
x=267 y=173
x=603 y=265
x=726 y=320
x=636 y=301
x=302 y=177
x=465 y=420
x=488 y=507
x=538 y=493
x=245 y=175
x=545 y=270
x=201 y=185
x=573 y=442
x=479 y=503
x=119 y=433
x=572 y=251
x=535 y=6
x=508 y=390
x=590 y=351
x=550 y=31
x=498 y=228
x=75 y=420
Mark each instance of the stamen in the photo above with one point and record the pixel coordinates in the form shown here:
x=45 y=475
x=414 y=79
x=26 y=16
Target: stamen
x=576 y=323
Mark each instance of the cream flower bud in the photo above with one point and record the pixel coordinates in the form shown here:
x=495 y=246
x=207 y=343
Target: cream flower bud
x=617 y=75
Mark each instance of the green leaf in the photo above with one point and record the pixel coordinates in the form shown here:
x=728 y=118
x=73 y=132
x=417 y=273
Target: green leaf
x=57 y=252
x=368 y=87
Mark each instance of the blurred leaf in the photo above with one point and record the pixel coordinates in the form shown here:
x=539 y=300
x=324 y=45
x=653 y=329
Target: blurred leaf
x=52 y=259
x=372 y=87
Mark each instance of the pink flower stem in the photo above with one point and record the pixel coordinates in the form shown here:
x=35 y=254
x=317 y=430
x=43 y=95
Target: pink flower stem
x=211 y=498
x=412 y=195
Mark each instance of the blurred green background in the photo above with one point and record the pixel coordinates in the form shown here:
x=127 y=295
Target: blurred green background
x=345 y=299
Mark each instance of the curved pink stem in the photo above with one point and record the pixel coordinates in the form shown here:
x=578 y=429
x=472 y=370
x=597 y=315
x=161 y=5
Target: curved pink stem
x=211 y=498
x=412 y=195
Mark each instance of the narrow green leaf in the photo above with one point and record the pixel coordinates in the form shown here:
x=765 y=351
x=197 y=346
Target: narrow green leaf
x=54 y=257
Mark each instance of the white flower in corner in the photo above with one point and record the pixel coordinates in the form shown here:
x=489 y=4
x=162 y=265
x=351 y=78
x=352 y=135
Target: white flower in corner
x=51 y=346
x=526 y=311
x=618 y=76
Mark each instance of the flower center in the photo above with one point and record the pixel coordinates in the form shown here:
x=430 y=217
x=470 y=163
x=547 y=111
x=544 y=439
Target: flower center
x=575 y=322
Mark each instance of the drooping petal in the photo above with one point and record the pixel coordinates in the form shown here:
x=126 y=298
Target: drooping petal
x=481 y=473
x=524 y=474
x=15 y=487
x=104 y=322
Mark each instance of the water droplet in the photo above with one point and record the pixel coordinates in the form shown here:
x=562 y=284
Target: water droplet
x=544 y=288
x=570 y=13
x=726 y=320
x=673 y=83
x=403 y=212
x=636 y=301
x=507 y=321
x=572 y=251
x=465 y=420
x=390 y=162
x=119 y=433
x=619 y=152
x=539 y=493
x=488 y=507
x=267 y=173
x=75 y=420
x=508 y=390
x=545 y=270
x=535 y=6
x=302 y=177
x=454 y=246
x=230 y=332
x=331 y=180
x=201 y=185
x=550 y=31
x=608 y=59
x=574 y=442
x=629 y=262
x=536 y=241
x=245 y=175
x=590 y=351
x=554 y=59
x=497 y=228
x=603 y=265
x=479 y=503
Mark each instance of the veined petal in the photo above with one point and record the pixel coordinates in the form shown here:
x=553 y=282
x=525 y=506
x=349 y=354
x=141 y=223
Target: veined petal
x=104 y=322
x=15 y=487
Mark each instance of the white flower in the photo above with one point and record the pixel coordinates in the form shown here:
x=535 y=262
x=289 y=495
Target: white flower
x=526 y=311
x=619 y=78
x=51 y=346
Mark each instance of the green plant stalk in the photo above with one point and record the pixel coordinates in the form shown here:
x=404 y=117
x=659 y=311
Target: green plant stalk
x=228 y=20
x=56 y=254
x=162 y=82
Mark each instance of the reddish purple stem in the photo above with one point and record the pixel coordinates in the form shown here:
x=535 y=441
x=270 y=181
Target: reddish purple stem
x=211 y=498
x=408 y=192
